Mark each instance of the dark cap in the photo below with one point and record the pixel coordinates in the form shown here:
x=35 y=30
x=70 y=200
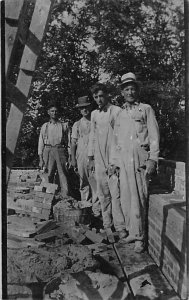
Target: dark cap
x=83 y=101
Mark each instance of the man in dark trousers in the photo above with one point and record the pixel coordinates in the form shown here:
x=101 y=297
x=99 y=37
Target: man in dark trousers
x=52 y=147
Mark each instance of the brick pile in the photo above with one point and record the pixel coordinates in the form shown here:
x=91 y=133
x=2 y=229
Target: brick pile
x=43 y=199
x=29 y=194
x=167 y=229
x=24 y=177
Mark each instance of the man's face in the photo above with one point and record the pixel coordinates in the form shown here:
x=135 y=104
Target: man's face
x=130 y=93
x=85 y=111
x=53 y=113
x=100 y=98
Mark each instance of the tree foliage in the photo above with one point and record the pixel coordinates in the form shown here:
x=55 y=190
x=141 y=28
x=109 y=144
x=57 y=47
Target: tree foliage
x=91 y=40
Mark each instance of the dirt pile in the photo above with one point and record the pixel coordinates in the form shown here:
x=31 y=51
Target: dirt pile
x=41 y=265
x=86 y=285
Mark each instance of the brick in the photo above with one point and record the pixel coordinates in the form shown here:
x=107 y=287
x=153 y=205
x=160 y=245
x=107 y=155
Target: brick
x=43 y=197
x=50 y=187
x=38 y=203
x=45 y=212
x=25 y=205
x=39 y=188
x=37 y=210
x=94 y=237
x=176 y=227
x=23 y=190
x=180 y=166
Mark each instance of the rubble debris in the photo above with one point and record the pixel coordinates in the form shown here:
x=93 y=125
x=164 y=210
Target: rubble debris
x=18 y=226
x=86 y=285
x=37 y=264
x=18 y=242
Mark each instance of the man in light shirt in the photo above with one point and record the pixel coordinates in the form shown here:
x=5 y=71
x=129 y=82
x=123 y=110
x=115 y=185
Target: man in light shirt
x=99 y=149
x=53 y=142
x=79 y=153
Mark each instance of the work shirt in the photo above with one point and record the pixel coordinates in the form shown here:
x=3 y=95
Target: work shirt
x=138 y=127
x=102 y=125
x=53 y=134
x=80 y=132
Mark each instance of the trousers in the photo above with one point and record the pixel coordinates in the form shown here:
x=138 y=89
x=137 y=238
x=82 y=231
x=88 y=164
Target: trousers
x=55 y=160
x=109 y=195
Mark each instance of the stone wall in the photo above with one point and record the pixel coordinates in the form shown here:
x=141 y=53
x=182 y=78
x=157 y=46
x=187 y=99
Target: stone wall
x=167 y=224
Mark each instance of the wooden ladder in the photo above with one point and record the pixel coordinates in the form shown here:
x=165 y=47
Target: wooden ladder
x=25 y=27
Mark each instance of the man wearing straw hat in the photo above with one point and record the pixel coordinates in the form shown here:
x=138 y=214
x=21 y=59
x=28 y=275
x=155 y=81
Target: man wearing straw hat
x=79 y=154
x=135 y=152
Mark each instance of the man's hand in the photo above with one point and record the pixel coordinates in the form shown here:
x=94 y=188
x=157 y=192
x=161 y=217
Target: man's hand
x=74 y=162
x=112 y=169
x=91 y=164
x=41 y=162
x=151 y=166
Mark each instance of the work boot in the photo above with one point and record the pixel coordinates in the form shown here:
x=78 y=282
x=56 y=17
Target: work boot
x=122 y=234
x=139 y=246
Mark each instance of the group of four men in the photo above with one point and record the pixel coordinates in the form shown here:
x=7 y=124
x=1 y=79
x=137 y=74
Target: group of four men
x=115 y=151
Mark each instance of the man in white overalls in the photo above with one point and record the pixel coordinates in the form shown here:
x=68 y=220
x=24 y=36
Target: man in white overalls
x=135 y=152
x=100 y=140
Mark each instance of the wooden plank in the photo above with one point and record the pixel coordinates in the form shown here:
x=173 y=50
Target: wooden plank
x=10 y=34
x=46 y=236
x=29 y=59
x=40 y=17
x=13 y=8
x=13 y=127
x=24 y=82
x=33 y=43
x=46 y=226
